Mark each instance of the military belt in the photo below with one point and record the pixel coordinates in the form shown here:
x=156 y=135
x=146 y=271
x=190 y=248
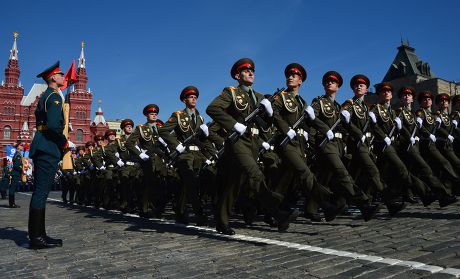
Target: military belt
x=300 y=131
x=368 y=135
x=130 y=163
x=110 y=166
x=417 y=138
x=338 y=135
x=193 y=148
x=254 y=131
x=42 y=127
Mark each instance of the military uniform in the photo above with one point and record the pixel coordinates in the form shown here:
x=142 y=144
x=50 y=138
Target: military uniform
x=16 y=174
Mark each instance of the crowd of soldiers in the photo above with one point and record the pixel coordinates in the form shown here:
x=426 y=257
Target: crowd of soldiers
x=261 y=154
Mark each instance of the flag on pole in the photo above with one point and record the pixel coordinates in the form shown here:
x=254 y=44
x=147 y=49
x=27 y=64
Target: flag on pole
x=70 y=77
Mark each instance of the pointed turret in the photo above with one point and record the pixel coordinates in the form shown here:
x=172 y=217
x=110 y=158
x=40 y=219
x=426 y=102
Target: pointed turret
x=82 y=79
x=99 y=119
x=81 y=60
x=99 y=126
x=12 y=69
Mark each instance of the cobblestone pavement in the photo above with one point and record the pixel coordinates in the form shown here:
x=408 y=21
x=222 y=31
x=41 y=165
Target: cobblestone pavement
x=418 y=243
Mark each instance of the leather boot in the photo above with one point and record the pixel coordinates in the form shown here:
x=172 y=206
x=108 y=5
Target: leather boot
x=224 y=229
x=12 y=203
x=37 y=237
x=50 y=240
x=284 y=218
x=446 y=200
x=368 y=211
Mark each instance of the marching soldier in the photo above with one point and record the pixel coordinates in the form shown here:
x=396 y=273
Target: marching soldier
x=113 y=163
x=188 y=124
x=90 y=173
x=408 y=148
x=330 y=146
x=68 y=180
x=229 y=110
x=144 y=142
x=98 y=156
x=287 y=109
x=47 y=149
x=455 y=116
x=15 y=175
x=79 y=168
x=4 y=184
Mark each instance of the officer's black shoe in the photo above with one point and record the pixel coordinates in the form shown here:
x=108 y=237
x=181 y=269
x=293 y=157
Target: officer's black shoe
x=395 y=207
x=447 y=200
x=284 y=218
x=428 y=199
x=224 y=229
x=411 y=200
x=315 y=217
x=201 y=220
x=37 y=236
x=12 y=202
x=331 y=211
x=182 y=219
x=368 y=211
x=249 y=215
x=270 y=220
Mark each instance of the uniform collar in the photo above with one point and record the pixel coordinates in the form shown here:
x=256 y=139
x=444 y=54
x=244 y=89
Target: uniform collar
x=246 y=89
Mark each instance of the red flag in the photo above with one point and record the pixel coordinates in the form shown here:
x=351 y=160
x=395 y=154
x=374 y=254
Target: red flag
x=70 y=77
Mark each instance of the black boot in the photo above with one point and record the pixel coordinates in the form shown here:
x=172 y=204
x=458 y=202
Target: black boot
x=368 y=211
x=394 y=207
x=3 y=193
x=284 y=218
x=446 y=200
x=224 y=229
x=12 y=203
x=37 y=236
x=428 y=199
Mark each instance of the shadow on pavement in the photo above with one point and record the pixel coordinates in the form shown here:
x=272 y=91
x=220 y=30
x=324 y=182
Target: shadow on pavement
x=11 y=233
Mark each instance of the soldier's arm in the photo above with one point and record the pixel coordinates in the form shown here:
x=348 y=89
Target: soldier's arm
x=217 y=110
x=424 y=131
x=377 y=128
x=355 y=132
x=318 y=124
x=278 y=120
x=165 y=131
x=55 y=121
x=214 y=135
x=110 y=154
x=133 y=140
x=17 y=164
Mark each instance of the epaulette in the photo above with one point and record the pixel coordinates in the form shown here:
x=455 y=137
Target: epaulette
x=419 y=113
x=178 y=112
x=347 y=104
x=140 y=125
x=437 y=113
x=232 y=87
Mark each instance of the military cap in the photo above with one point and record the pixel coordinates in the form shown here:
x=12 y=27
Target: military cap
x=110 y=132
x=189 y=90
x=383 y=86
x=423 y=95
x=46 y=74
x=406 y=90
x=126 y=122
x=90 y=143
x=295 y=68
x=151 y=108
x=455 y=99
x=360 y=79
x=333 y=75
x=98 y=137
x=81 y=147
x=441 y=97
x=242 y=64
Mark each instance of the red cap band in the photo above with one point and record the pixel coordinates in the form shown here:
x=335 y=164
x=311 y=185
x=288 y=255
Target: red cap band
x=333 y=77
x=244 y=66
x=296 y=71
x=152 y=109
x=386 y=87
x=53 y=72
x=407 y=91
x=188 y=92
x=361 y=81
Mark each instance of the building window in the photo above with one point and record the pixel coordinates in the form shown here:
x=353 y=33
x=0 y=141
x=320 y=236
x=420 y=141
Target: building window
x=79 y=135
x=7 y=132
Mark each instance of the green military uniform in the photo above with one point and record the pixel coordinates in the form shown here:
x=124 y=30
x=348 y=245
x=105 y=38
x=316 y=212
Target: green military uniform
x=99 y=181
x=79 y=168
x=111 y=176
x=16 y=174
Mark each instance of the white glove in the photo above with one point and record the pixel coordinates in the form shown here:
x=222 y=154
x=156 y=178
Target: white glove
x=74 y=173
x=451 y=138
x=432 y=138
x=387 y=141
x=455 y=123
x=363 y=138
x=310 y=112
x=120 y=163
x=180 y=148
x=291 y=134
x=102 y=168
x=305 y=135
x=144 y=156
x=398 y=123
x=438 y=119
x=330 y=135
x=412 y=140
x=208 y=162
x=419 y=121
x=239 y=128
x=162 y=141
x=372 y=116
x=205 y=129
x=346 y=115
x=268 y=106
x=117 y=155
x=71 y=144
x=266 y=146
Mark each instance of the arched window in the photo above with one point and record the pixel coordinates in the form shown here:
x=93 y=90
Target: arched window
x=79 y=135
x=7 y=132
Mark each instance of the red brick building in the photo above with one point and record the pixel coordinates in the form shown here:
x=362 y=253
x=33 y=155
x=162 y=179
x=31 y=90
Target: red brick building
x=17 y=119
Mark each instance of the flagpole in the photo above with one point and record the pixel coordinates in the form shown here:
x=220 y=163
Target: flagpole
x=66 y=159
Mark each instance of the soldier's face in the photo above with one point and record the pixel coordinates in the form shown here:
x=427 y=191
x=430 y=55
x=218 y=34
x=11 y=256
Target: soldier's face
x=407 y=99
x=112 y=137
x=444 y=104
x=385 y=96
x=128 y=129
x=190 y=101
x=293 y=81
x=359 y=89
x=426 y=103
x=59 y=79
x=245 y=77
x=153 y=116
x=331 y=86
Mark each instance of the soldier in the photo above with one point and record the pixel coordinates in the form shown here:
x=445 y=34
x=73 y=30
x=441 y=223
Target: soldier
x=98 y=159
x=47 y=149
x=68 y=180
x=90 y=174
x=144 y=142
x=229 y=110
x=287 y=109
x=331 y=149
x=15 y=174
x=432 y=122
x=188 y=123
x=113 y=163
x=4 y=184
x=79 y=168
x=407 y=147
x=455 y=116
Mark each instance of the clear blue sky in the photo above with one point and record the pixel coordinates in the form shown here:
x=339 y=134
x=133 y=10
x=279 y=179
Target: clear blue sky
x=141 y=52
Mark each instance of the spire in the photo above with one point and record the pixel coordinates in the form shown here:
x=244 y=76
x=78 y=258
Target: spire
x=25 y=126
x=99 y=115
x=14 y=49
x=81 y=61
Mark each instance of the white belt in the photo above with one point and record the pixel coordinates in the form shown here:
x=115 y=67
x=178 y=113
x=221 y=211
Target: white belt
x=338 y=135
x=368 y=135
x=110 y=166
x=130 y=163
x=193 y=148
x=254 y=131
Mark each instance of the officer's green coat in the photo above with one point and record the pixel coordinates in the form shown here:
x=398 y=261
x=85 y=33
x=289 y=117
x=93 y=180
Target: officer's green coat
x=358 y=118
x=17 y=165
